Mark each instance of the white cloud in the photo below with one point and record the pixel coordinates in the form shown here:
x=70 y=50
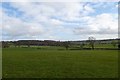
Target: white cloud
x=15 y=28
x=65 y=11
x=55 y=22
x=88 y=9
x=116 y=5
x=73 y=11
x=103 y=24
x=59 y=0
x=46 y=20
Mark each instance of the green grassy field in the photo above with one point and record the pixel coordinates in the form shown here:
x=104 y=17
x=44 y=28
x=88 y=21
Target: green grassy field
x=45 y=63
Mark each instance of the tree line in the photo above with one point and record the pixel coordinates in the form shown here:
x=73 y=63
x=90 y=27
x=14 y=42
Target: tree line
x=67 y=44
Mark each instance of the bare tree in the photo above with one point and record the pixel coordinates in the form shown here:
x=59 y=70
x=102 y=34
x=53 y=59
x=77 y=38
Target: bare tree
x=92 y=42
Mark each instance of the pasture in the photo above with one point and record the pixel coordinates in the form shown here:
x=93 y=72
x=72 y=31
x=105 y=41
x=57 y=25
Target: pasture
x=48 y=62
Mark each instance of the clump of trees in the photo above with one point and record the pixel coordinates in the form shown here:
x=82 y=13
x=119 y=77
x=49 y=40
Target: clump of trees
x=66 y=44
x=5 y=45
x=92 y=42
x=114 y=43
x=82 y=45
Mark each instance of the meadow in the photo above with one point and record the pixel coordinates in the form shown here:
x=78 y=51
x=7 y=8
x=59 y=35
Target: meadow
x=51 y=62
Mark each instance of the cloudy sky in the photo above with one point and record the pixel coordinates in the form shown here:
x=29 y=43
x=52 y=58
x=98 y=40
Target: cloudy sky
x=58 y=20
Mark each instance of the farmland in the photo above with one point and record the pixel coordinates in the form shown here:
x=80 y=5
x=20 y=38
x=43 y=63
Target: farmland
x=56 y=62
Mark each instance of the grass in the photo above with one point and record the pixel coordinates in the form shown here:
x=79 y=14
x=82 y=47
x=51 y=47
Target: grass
x=41 y=63
x=97 y=46
x=105 y=46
